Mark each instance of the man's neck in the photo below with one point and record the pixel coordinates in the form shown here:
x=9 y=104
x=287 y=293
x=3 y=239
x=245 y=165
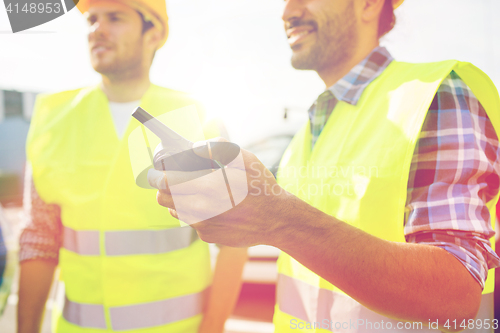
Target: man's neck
x=333 y=73
x=122 y=90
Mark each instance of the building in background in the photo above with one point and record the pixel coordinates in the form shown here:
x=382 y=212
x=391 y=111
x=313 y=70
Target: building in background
x=15 y=113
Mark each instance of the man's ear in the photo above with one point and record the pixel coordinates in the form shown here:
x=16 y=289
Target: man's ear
x=153 y=37
x=371 y=10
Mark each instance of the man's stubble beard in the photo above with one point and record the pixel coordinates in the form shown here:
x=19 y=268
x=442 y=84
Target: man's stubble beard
x=335 y=44
x=124 y=66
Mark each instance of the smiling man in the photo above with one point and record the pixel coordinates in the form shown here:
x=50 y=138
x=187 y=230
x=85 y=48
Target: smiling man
x=117 y=274
x=384 y=202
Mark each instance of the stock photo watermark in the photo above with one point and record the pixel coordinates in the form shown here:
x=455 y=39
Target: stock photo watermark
x=327 y=180
x=26 y=14
x=327 y=324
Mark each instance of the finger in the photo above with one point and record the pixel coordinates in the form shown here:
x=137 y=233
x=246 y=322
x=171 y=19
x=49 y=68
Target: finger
x=173 y=212
x=179 y=177
x=165 y=200
x=157 y=179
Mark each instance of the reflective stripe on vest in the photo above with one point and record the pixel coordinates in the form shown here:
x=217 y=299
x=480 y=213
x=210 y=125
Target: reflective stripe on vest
x=83 y=242
x=136 y=316
x=331 y=306
x=130 y=242
x=84 y=315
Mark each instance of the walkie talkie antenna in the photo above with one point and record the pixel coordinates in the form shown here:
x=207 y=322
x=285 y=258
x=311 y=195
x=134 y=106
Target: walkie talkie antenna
x=167 y=135
x=176 y=153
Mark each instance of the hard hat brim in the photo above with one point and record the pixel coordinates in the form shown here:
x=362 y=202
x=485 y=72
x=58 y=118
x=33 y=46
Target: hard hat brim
x=397 y=3
x=147 y=11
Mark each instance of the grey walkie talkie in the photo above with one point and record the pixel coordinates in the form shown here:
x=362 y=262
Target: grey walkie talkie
x=175 y=152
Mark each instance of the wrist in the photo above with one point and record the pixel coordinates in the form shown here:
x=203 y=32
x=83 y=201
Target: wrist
x=286 y=214
x=295 y=223
x=273 y=217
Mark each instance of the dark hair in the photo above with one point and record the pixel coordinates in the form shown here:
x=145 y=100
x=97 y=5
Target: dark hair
x=387 y=19
x=146 y=25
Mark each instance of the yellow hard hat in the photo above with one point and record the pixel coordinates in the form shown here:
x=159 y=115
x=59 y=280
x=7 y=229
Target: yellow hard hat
x=154 y=11
x=396 y=3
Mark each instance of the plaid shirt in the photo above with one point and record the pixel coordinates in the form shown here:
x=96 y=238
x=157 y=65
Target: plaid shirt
x=454 y=171
x=42 y=236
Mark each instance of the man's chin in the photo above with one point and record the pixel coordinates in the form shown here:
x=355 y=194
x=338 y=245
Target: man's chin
x=303 y=61
x=103 y=68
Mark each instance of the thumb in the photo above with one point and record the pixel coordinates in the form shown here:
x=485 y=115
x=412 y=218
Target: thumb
x=198 y=144
x=157 y=179
x=217 y=149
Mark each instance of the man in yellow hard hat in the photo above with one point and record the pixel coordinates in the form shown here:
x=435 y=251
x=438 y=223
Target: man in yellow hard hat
x=116 y=272
x=385 y=199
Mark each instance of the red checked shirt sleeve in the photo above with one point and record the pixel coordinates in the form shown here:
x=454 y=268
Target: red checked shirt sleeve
x=42 y=237
x=454 y=173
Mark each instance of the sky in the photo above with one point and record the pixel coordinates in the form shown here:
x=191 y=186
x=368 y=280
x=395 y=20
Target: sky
x=233 y=55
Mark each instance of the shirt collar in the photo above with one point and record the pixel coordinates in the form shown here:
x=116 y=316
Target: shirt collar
x=352 y=85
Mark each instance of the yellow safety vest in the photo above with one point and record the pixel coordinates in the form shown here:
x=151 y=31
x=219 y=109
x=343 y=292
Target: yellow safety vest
x=358 y=172
x=119 y=273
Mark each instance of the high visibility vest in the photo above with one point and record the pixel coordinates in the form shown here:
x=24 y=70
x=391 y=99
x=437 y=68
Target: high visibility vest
x=358 y=172
x=119 y=272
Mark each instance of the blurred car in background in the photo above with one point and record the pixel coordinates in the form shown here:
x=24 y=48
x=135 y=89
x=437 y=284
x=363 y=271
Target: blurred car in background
x=270 y=150
x=15 y=113
x=10 y=188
